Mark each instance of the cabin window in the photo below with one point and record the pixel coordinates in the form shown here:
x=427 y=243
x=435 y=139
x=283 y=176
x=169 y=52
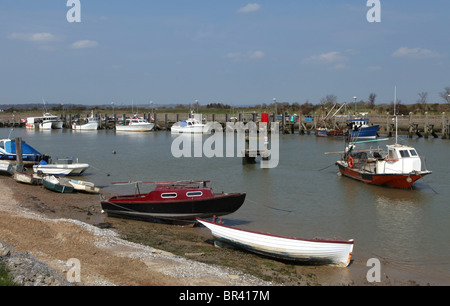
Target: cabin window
x=2 y=145
x=404 y=153
x=194 y=194
x=413 y=152
x=392 y=154
x=168 y=195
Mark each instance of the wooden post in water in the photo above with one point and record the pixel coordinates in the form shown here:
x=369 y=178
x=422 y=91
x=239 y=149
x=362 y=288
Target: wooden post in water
x=426 y=128
x=19 y=156
x=444 y=127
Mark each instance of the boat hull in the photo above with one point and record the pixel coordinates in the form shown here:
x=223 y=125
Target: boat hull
x=60 y=169
x=26 y=178
x=292 y=249
x=135 y=128
x=57 y=187
x=186 y=210
x=84 y=186
x=403 y=181
x=369 y=132
x=91 y=126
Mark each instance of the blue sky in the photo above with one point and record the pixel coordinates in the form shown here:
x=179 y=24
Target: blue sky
x=228 y=51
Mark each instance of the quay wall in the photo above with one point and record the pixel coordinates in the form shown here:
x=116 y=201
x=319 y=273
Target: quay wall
x=410 y=124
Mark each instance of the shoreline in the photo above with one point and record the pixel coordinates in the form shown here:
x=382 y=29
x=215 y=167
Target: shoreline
x=56 y=227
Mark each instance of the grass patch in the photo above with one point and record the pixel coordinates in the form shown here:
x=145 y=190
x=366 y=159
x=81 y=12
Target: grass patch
x=5 y=277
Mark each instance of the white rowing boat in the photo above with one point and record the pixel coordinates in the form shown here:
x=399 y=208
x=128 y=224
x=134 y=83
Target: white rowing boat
x=84 y=186
x=316 y=251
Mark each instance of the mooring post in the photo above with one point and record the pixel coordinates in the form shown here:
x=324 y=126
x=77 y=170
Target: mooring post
x=444 y=127
x=426 y=127
x=19 y=156
x=388 y=126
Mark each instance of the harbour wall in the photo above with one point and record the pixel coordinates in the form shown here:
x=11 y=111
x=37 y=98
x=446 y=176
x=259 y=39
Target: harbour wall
x=420 y=125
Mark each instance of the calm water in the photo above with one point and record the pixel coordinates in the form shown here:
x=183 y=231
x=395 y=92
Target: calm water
x=302 y=197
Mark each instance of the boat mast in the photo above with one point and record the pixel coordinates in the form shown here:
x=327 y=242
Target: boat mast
x=395 y=113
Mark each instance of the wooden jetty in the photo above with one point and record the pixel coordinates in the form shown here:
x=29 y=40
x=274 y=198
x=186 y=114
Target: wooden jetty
x=412 y=125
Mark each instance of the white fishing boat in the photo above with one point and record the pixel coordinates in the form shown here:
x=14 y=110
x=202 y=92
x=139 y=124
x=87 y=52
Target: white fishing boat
x=65 y=166
x=89 y=123
x=314 y=251
x=45 y=122
x=400 y=167
x=84 y=186
x=192 y=125
x=135 y=124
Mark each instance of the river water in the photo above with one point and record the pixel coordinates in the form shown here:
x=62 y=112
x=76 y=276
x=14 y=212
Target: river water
x=302 y=197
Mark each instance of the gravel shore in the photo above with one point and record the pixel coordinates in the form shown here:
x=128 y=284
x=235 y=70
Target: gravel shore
x=30 y=240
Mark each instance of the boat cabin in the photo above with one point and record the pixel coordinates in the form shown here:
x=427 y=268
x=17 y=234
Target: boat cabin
x=400 y=159
x=171 y=192
x=358 y=123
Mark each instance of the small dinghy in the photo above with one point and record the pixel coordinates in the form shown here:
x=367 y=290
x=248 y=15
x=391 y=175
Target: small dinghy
x=313 y=251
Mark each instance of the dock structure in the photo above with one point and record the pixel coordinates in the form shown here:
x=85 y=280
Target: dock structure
x=412 y=125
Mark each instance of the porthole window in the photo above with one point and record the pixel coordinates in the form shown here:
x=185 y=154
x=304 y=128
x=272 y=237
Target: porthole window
x=194 y=194
x=168 y=195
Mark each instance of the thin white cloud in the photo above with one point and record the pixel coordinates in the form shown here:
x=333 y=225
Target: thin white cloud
x=414 y=53
x=335 y=58
x=33 y=37
x=252 y=55
x=327 y=58
x=249 y=8
x=83 y=44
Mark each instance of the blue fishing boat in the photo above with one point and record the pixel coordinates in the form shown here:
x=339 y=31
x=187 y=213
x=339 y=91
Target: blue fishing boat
x=360 y=128
x=29 y=154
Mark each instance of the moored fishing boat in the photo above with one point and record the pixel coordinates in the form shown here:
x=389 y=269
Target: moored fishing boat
x=174 y=201
x=359 y=128
x=135 y=124
x=311 y=251
x=400 y=167
x=89 y=123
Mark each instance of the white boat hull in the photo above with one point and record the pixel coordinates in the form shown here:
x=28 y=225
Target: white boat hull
x=84 y=186
x=189 y=129
x=61 y=169
x=26 y=178
x=87 y=126
x=135 y=128
x=293 y=249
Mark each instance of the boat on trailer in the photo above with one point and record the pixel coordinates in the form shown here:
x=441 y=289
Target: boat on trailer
x=180 y=201
x=308 y=251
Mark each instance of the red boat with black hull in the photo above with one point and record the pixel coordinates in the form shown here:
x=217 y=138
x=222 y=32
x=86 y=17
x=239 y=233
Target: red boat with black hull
x=174 y=201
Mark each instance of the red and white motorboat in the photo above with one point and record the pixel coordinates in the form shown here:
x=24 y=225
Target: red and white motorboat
x=400 y=167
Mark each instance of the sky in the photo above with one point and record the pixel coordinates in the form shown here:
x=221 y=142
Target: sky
x=222 y=51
